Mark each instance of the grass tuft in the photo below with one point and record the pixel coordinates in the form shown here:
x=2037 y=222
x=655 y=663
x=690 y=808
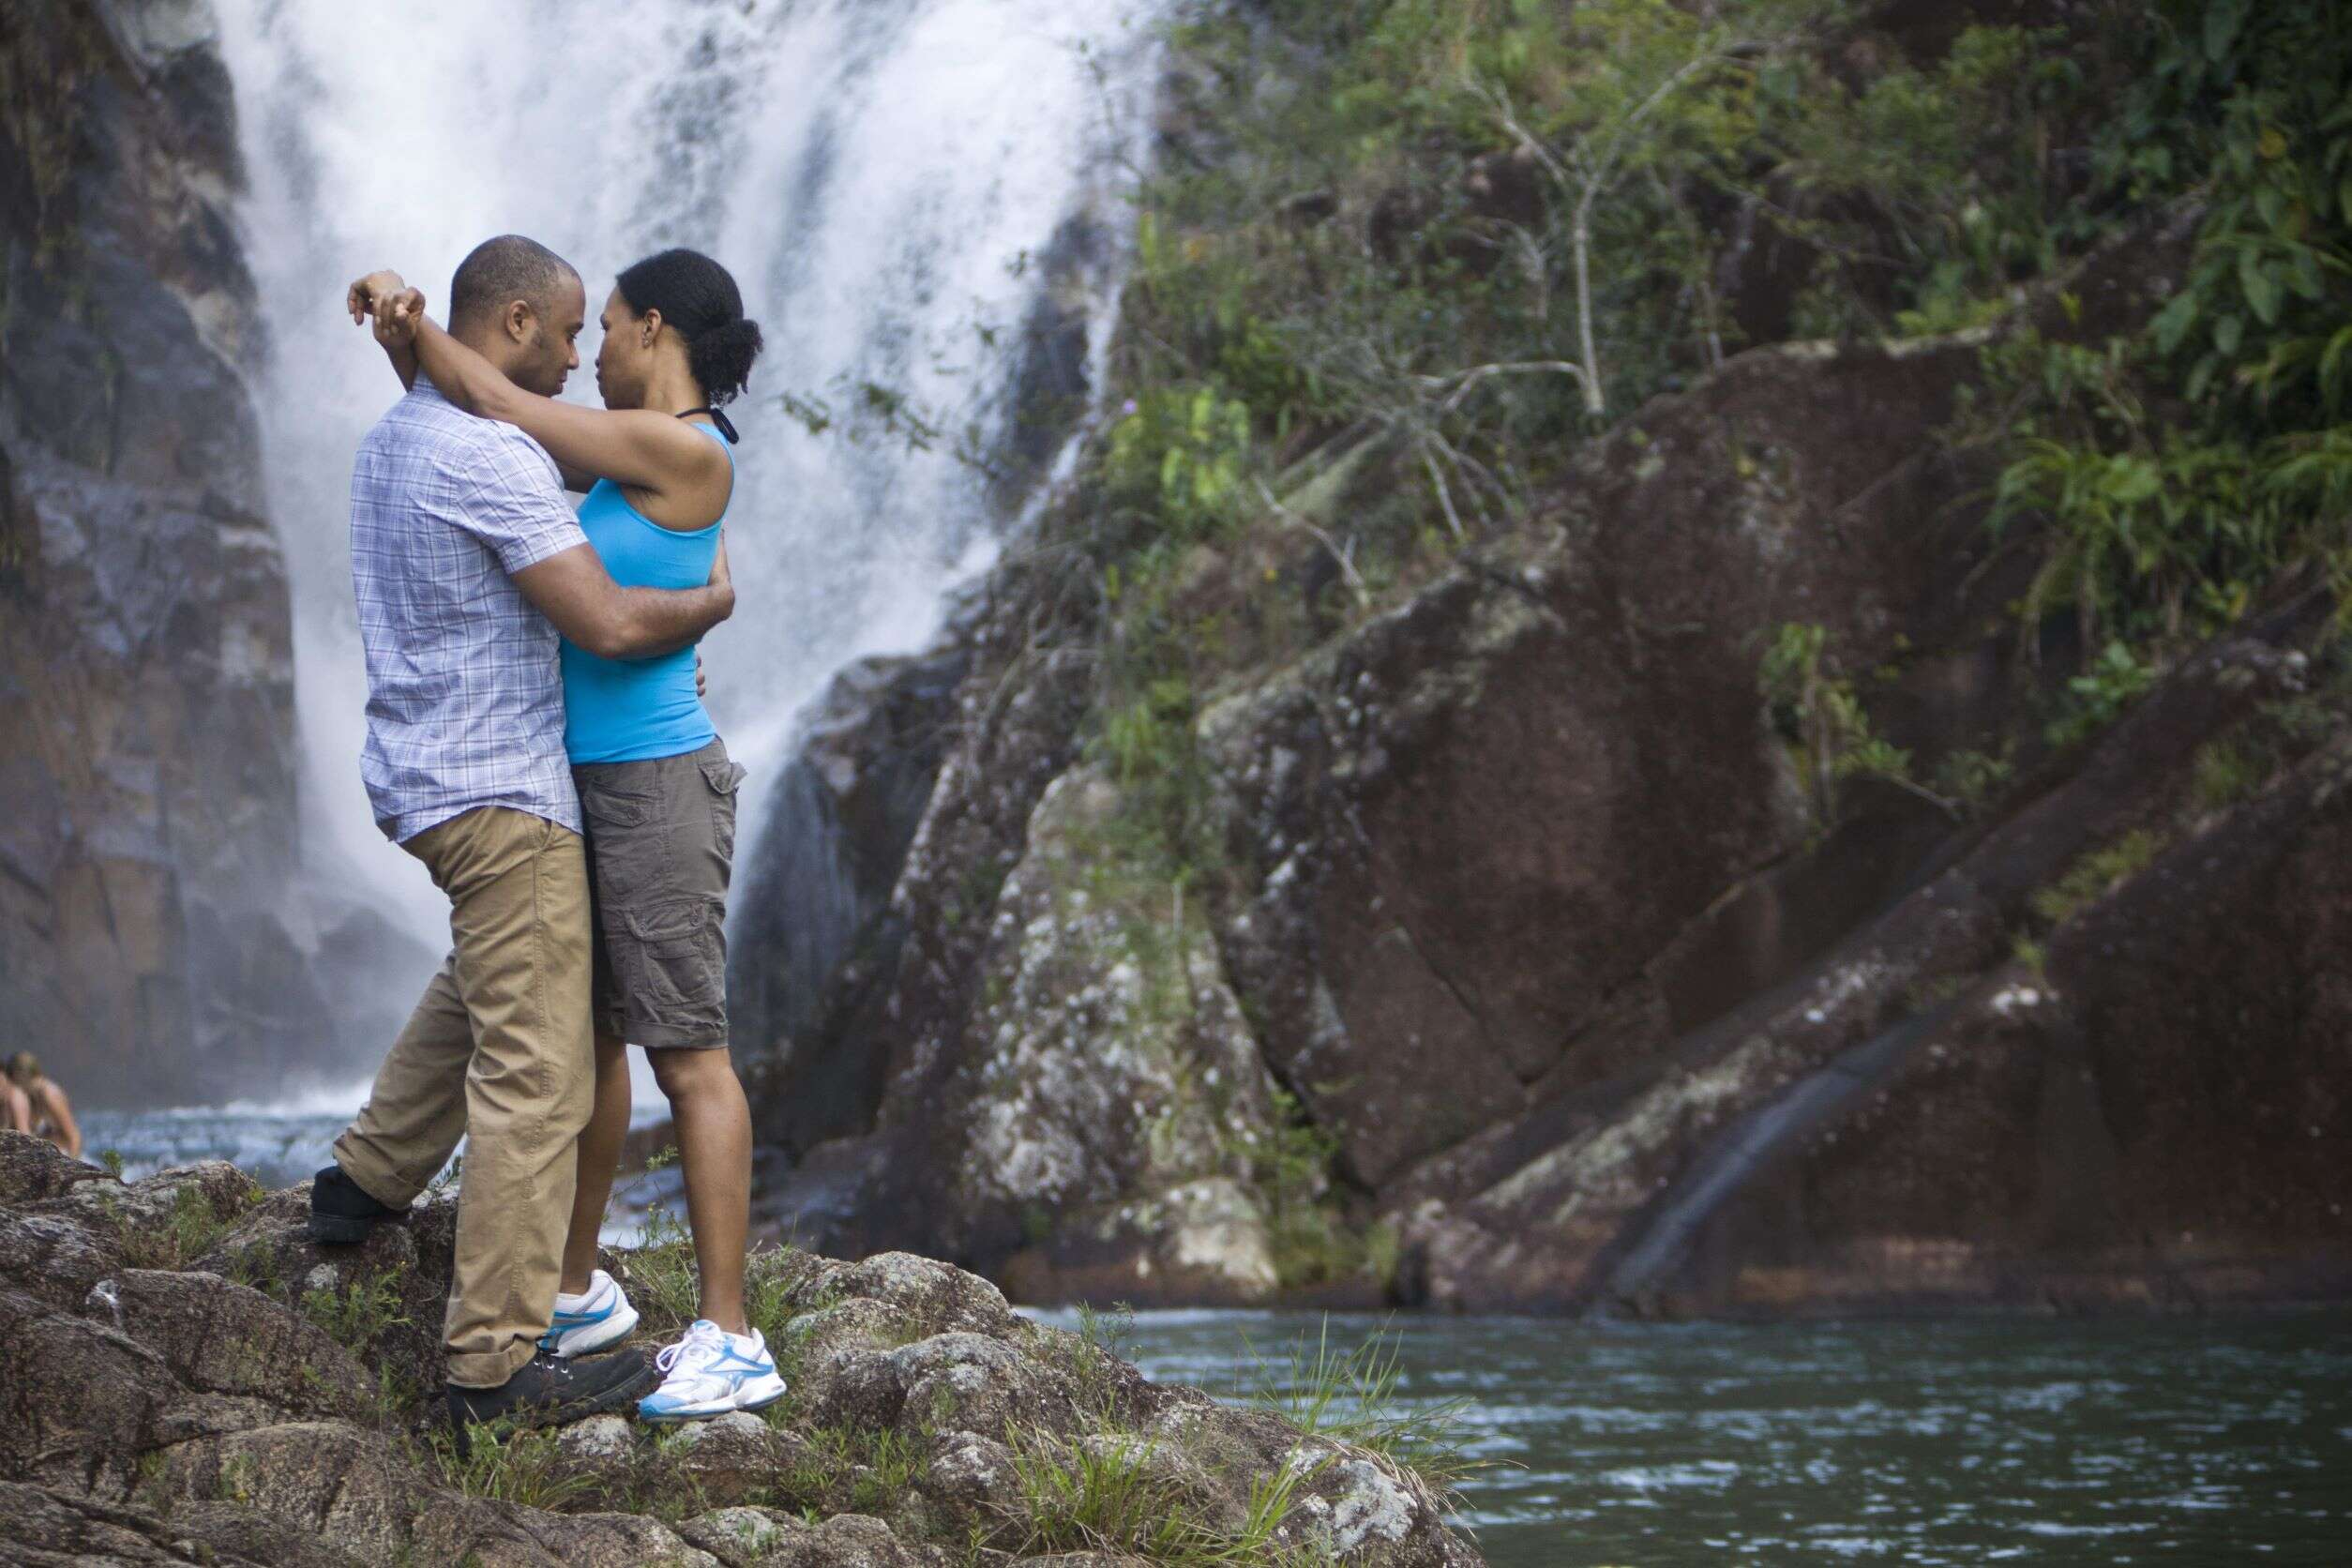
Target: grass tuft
x=527 y=1469
x=1352 y=1398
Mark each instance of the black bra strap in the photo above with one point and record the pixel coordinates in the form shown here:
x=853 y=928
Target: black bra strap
x=725 y=427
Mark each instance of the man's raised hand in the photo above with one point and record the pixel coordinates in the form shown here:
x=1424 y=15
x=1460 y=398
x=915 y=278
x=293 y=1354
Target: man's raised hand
x=397 y=314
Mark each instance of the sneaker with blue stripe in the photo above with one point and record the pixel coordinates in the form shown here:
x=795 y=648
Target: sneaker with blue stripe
x=590 y=1321
x=711 y=1372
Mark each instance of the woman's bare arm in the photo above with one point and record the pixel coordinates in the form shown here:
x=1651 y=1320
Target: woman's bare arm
x=637 y=447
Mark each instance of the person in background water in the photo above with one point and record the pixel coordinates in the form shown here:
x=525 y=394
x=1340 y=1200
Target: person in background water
x=37 y=1106
x=655 y=781
x=469 y=569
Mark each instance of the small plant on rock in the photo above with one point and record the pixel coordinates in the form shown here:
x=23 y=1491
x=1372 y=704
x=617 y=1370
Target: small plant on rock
x=528 y=1468
x=1353 y=1397
x=354 y=1316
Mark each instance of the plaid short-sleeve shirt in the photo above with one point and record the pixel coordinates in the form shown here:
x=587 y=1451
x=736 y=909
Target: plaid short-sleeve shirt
x=465 y=703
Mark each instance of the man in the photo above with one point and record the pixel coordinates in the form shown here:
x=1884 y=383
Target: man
x=467 y=562
x=35 y=1103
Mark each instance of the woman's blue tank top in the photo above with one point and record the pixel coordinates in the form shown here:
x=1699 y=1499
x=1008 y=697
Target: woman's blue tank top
x=629 y=710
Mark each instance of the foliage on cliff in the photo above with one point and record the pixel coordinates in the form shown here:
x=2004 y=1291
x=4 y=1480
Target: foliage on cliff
x=1468 y=237
x=1404 y=261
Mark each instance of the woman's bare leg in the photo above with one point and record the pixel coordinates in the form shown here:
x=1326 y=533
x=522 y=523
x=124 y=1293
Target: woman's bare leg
x=599 y=1162
x=713 y=1122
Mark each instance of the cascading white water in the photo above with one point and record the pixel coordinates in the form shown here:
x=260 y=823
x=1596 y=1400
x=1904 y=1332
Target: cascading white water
x=878 y=173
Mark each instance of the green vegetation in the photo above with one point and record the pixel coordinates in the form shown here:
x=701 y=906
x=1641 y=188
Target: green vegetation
x=1108 y=1495
x=527 y=1467
x=2095 y=874
x=856 y=1469
x=1313 y=1240
x=1829 y=734
x=357 y=1313
x=185 y=1233
x=1352 y=1397
x=2179 y=468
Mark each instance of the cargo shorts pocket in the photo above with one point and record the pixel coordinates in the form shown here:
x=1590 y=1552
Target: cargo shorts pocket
x=673 y=962
x=725 y=779
x=612 y=809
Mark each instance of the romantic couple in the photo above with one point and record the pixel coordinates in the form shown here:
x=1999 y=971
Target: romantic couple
x=537 y=738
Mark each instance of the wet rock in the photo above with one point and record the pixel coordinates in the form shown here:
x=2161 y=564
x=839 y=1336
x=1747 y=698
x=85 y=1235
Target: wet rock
x=2094 y=1133
x=817 y=885
x=1012 y=729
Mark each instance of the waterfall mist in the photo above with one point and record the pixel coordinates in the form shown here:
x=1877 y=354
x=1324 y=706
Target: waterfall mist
x=898 y=185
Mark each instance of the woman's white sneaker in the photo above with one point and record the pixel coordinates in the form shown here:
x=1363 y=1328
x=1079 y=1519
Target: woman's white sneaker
x=598 y=1319
x=711 y=1372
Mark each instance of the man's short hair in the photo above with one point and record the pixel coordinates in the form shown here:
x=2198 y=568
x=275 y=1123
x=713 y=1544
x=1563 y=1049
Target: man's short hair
x=501 y=271
x=25 y=1069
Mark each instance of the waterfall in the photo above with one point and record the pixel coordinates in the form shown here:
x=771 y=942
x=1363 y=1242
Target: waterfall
x=898 y=185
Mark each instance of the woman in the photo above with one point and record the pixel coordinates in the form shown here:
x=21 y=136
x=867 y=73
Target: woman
x=36 y=1105
x=657 y=789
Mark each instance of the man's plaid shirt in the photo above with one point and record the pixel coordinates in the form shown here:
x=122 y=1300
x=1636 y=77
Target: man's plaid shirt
x=465 y=705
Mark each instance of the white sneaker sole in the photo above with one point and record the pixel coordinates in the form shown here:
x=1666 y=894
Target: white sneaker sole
x=589 y=1338
x=756 y=1393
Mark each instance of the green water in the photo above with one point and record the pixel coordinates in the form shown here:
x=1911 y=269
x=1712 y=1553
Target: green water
x=1981 y=1440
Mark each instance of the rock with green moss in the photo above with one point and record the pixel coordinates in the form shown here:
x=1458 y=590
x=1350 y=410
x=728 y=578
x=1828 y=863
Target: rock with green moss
x=1099 y=1132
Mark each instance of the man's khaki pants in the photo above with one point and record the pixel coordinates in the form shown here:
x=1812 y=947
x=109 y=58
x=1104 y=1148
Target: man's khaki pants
x=498 y=1052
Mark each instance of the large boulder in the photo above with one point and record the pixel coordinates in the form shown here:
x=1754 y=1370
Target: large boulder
x=1111 y=1103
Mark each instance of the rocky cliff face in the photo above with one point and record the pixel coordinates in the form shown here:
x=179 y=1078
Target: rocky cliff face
x=147 y=739
x=1537 y=932
x=194 y=1383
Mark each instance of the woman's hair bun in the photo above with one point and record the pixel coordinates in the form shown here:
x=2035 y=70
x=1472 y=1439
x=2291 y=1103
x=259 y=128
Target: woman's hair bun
x=720 y=357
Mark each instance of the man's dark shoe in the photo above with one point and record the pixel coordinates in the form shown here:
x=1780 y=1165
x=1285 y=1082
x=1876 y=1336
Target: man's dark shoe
x=342 y=1213
x=548 y=1391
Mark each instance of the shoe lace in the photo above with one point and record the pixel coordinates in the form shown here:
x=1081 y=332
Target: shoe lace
x=703 y=1342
